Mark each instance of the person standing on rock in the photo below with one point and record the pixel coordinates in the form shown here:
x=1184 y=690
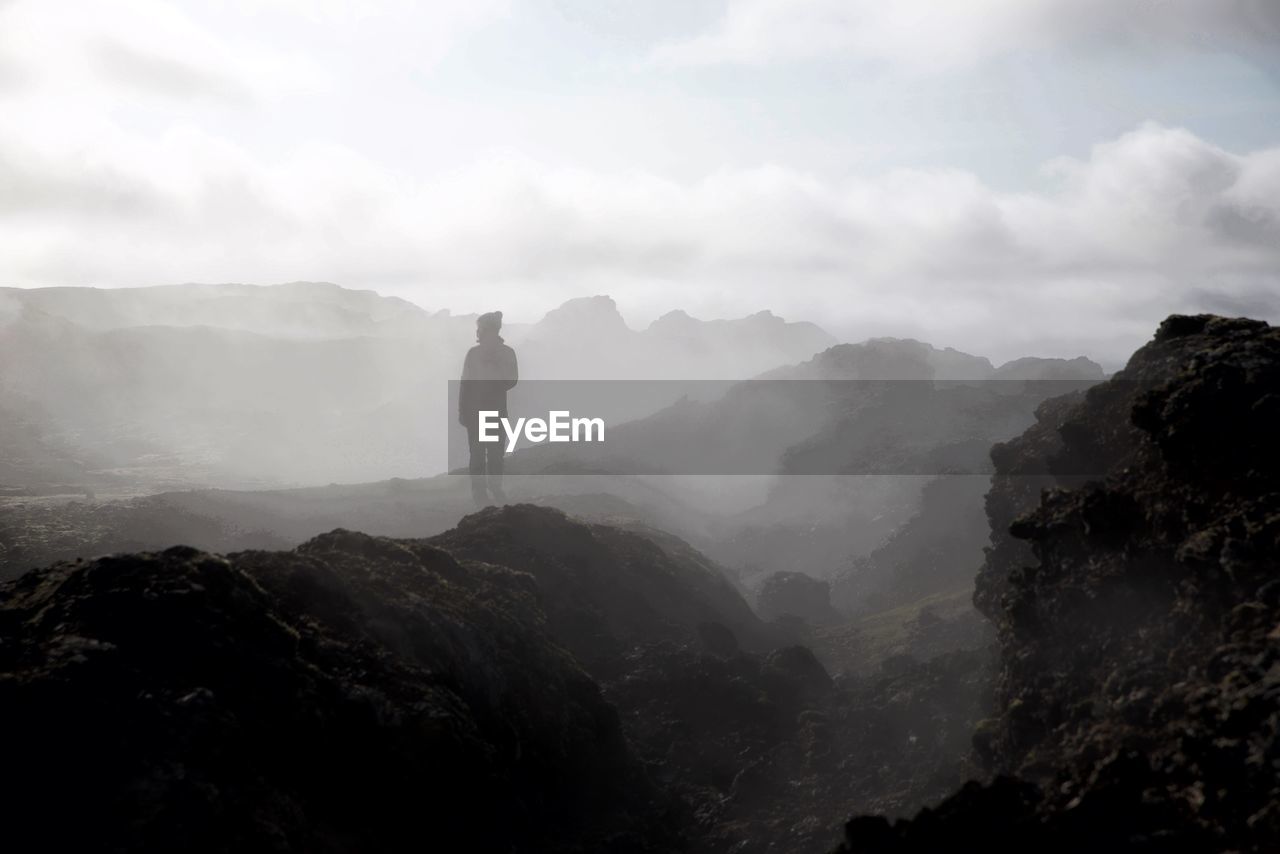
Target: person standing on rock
x=488 y=373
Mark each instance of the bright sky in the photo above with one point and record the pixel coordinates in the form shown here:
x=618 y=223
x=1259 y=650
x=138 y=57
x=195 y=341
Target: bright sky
x=1009 y=177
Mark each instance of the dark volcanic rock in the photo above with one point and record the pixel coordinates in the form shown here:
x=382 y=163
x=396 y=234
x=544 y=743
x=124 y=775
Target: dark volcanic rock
x=1139 y=689
x=606 y=589
x=367 y=694
x=764 y=751
x=769 y=753
x=354 y=694
x=798 y=595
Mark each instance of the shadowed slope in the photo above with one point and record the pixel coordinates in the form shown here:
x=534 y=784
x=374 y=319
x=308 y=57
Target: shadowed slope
x=354 y=694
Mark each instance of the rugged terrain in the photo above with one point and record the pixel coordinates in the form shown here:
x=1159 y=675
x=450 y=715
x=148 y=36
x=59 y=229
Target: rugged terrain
x=763 y=747
x=362 y=693
x=529 y=679
x=1137 y=695
x=36 y=531
x=353 y=694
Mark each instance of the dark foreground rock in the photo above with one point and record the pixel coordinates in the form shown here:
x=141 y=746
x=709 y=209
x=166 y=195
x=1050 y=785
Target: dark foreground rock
x=1139 y=689
x=769 y=753
x=354 y=694
x=367 y=694
x=761 y=748
x=606 y=589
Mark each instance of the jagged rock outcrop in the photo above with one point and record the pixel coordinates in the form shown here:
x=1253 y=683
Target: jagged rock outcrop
x=354 y=694
x=1138 y=699
x=606 y=589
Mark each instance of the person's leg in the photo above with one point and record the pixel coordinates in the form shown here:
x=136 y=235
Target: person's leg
x=476 y=466
x=495 y=474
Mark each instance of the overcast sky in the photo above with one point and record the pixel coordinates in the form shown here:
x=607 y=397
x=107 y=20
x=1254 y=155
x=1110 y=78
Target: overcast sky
x=1005 y=176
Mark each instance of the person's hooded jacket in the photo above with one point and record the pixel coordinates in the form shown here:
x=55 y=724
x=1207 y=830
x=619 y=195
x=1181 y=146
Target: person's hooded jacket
x=488 y=372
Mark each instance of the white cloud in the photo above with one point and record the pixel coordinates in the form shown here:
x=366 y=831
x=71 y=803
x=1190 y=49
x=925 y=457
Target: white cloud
x=1152 y=222
x=131 y=152
x=927 y=35
x=113 y=52
x=240 y=51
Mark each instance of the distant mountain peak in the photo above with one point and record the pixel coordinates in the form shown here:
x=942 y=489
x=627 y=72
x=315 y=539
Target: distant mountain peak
x=598 y=312
x=291 y=309
x=909 y=358
x=888 y=358
x=676 y=318
x=1032 y=367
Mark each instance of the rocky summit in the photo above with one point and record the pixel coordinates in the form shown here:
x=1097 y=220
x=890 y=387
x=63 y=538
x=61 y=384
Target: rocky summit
x=606 y=589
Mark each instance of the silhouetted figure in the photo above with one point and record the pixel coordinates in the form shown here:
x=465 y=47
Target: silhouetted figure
x=489 y=371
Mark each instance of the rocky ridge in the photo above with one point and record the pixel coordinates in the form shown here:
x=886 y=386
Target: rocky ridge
x=1138 y=690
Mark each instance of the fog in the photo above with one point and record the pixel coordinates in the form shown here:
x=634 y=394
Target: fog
x=932 y=492
x=762 y=440
x=797 y=508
